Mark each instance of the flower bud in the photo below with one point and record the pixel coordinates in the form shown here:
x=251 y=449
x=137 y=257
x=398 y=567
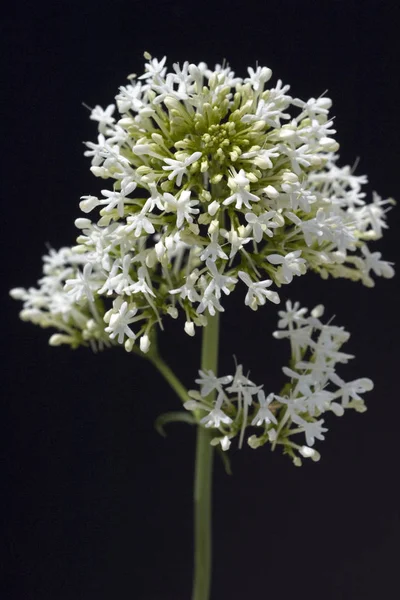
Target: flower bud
x=189 y=328
x=145 y=343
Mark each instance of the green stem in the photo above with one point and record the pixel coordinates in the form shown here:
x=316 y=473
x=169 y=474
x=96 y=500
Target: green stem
x=203 y=476
x=170 y=376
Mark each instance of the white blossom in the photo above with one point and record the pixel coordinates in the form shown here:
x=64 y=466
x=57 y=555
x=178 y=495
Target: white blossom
x=209 y=298
x=139 y=222
x=259 y=77
x=154 y=69
x=183 y=206
x=188 y=289
x=104 y=117
x=220 y=282
x=313 y=107
x=373 y=262
x=291 y=265
x=257 y=292
x=213 y=250
x=209 y=382
x=115 y=199
x=351 y=389
x=240 y=185
x=178 y=168
x=237 y=239
x=264 y=415
x=118 y=322
x=262 y=157
x=82 y=286
x=216 y=416
x=130 y=97
x=141 y=285
x=261 y=224
x=313 y=430
x=293 y=314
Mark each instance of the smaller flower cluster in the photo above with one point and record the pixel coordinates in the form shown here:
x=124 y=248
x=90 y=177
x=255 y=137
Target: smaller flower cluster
x=313 y=388
x=65 y=300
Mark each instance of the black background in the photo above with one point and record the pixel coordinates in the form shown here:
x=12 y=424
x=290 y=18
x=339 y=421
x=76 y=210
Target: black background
x=97 y=505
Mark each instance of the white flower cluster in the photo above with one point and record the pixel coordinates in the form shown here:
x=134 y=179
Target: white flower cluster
x=216 y=181
x=313 y=388
x=65 y=300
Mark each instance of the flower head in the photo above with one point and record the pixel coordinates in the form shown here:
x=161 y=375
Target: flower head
x=213 y=180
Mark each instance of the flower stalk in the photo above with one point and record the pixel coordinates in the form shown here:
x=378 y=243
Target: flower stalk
x=203 y=476
x=170 y=376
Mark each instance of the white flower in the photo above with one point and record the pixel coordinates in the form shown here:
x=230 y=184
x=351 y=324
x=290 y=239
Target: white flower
x=137 y=223
x=209 y=298
x=299 y=338
x=146 y=150
x=305 y=381
x=220 y=282
x=351 y=389
x=295 y=406
x=130 y=98
x=373 y=215
x=119 y=282
x=313 y=107
x=141 y=285
x=178 y=168
x=328 y=228
x=119 y=322
x=155 y=69
x=329 y=340
x=271 y=110
x=237 y=239
x=213 y=207
x=264 y=415
x=259 y=77
x=261 y=224
x=240 y=185
x=216 y=416
x=155 y=200
x=313 y=430
x=262 y=158
x=373 y=261
x=209 y=382
x=82 y=286
x=213 y=250
x=257 y=293
x=319 y=400
x=291 y=265
x=299 y=157
x=116 y=199
x=183 y=207
x=241 y=383
x=188 y=290
x=297 y=195
x=292 y=315
x=104 y=117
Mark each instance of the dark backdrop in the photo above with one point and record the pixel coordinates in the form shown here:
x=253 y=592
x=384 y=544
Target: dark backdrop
x=97 y=506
